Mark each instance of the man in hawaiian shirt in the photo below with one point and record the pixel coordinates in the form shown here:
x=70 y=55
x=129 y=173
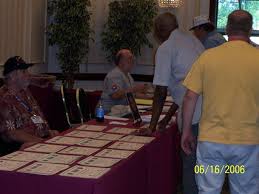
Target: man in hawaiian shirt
x=21 y=119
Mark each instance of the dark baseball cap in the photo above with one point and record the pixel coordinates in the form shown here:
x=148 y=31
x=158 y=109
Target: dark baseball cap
x=15 y=63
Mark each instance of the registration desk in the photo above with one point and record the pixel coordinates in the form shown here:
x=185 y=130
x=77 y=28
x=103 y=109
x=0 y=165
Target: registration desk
x=149 y=166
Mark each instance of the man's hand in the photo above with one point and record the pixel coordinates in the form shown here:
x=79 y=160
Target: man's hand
x=188 y=142
x=144 y=132
x=162 y=124
x=53 y=133
x=141 y=88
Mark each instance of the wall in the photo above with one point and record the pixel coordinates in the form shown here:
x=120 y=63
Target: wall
x=97 y=62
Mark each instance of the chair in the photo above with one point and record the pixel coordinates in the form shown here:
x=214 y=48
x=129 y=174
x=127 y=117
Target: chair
x=76 y=105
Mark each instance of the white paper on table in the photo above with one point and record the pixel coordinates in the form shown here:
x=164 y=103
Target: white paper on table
x=147 y=118
x=43 y=168
x=126 y=146
x=45 y=148
x=64 y=140
x=96 y=143
x=115 y=118
x=143 y=107
x=59 y=158
x=168 y=103
x=117 y=123
x=76 y=150
x=137 y=139
x=111 y=153
x=166 y=108
x=24 y=156
x=122 y=130
x=89 y=134
x=9 y=165
x=92 y=127
x=169 y=99
x=85 y=172
x=110 y=137
x=99 y=162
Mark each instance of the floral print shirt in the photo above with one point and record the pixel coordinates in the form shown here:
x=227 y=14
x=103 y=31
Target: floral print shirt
x=14 y=114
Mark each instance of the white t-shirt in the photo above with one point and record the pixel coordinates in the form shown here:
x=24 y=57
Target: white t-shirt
x=174 y=59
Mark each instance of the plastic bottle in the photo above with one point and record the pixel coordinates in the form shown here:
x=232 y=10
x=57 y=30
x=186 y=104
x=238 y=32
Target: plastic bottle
x=99 y=113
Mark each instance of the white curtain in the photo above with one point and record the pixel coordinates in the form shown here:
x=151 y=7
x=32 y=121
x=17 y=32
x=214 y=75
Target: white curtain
x=22 y=29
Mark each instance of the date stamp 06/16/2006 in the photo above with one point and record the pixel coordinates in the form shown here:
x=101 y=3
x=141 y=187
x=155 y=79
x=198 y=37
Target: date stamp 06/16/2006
x=219 y=169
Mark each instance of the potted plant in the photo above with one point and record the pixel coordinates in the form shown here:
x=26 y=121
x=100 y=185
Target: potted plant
x=69 y=29
x=128 y=24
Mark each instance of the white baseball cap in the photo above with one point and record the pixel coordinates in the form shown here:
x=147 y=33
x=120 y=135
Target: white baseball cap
x=199 y=20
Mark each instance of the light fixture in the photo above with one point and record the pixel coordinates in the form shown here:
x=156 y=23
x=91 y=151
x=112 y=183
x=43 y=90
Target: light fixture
x=170 y=3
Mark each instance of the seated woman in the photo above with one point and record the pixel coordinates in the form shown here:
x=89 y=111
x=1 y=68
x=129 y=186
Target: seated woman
x=119 y=81
x=21 y=120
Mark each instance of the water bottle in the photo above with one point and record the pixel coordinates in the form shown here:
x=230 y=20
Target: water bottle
x=99 y=113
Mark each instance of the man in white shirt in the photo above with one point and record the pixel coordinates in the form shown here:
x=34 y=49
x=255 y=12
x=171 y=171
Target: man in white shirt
x=174 y=58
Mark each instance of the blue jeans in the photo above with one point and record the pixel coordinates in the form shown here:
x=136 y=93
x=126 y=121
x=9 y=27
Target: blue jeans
x=222 y=155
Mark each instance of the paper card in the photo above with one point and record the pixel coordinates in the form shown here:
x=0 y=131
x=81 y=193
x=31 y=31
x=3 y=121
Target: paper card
x=117 y=123
x=126 y=146
x=137 y=139
x=122 y=130
x=110 y=153
x=59 y=159
x=8 y=165
x=99 y=162
x=147 y=118
x=46 y=148
x=96 y=143
x=110 y=137
x=92 y=127
x=64 y=140
x=166 y=108
x=24 y=156
x=115 y=118
x=169 y=99
x=76 y=150
x=89 y=134
x=43 y=168
x=85 y=172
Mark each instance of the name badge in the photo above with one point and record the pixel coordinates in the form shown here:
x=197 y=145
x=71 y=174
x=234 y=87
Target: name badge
x=37 y=119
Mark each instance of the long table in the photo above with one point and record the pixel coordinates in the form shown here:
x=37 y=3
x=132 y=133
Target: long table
x=153 y=169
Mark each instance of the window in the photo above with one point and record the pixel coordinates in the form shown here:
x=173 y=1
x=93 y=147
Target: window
x=225 y=7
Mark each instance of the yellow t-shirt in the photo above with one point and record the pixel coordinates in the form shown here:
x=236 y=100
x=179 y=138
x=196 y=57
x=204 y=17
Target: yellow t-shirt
x=228 y=78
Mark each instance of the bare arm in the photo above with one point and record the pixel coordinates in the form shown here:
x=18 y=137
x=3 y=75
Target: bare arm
x=19 y=136
x=157 y=107
x=189 y=103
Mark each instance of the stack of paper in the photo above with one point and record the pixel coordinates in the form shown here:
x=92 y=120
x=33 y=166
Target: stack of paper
x=8 y=165
x=59 y=159
x=76 y=150
x=122 y=130
x=92 y=127
x=64 y=140
x=85 y=172
x=89 y=134
x=144 y=101
x=24 y=156
x=99 y=162
x=110 y=137
x=94 y=143
x=115 y=118
x=110 y=153
x=43 y=168
x=147 y=118
x=46 y=148
x=126 y=146
x=137 y=139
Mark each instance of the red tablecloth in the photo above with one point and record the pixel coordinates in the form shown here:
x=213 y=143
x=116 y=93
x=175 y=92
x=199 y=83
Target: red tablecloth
x=153 y=169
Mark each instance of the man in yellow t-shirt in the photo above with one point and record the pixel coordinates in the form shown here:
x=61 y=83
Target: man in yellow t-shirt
x=227 y=78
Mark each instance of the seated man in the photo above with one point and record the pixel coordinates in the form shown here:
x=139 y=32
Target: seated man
x=21 y=120
x=119 y=81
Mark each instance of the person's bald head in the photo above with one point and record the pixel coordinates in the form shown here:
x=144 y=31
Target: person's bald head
x=124 y=59
x=239 y=23
x=164 y=24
